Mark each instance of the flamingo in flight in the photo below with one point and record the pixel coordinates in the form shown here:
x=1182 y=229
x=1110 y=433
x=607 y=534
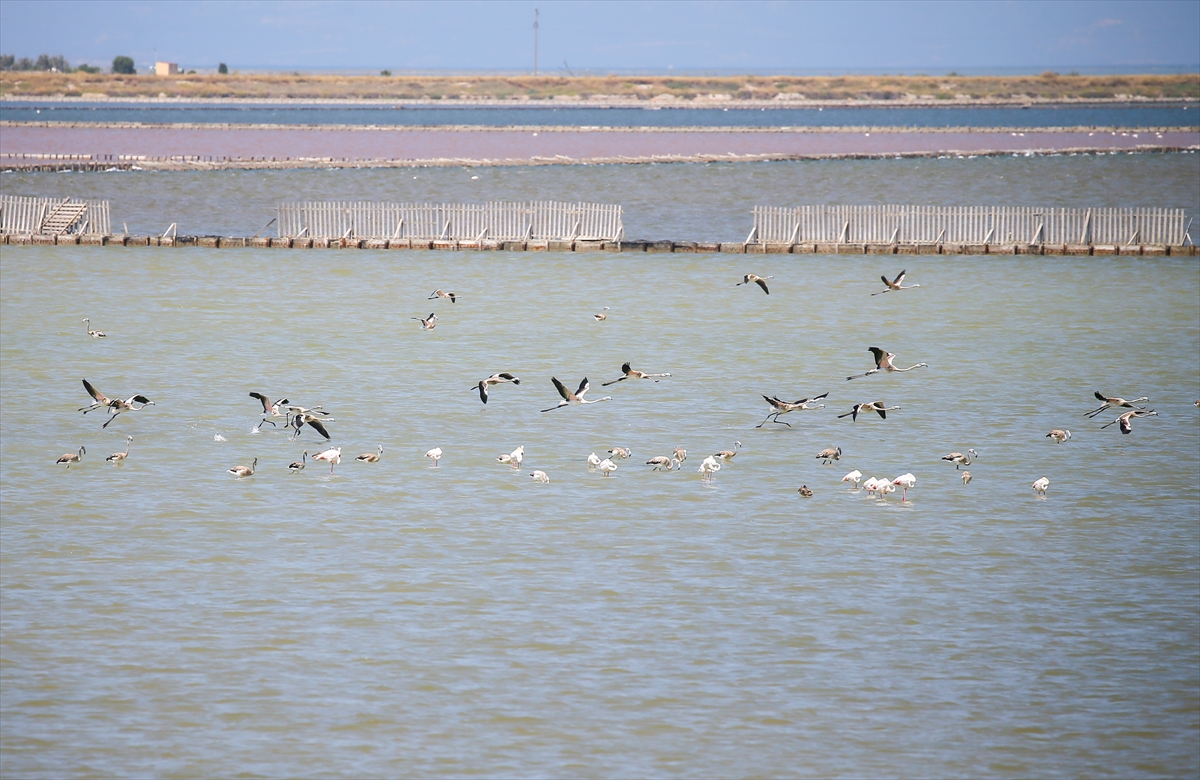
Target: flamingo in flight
x=874 y=406
x=569 y=398
x=1114 y=402
x=1125 y=420
x=783 y=407
x=441 y=294
x=895 y=284
x=494 y=379
x=633 y=373
x=761 y=281
x=114 y=405
x=883 y=362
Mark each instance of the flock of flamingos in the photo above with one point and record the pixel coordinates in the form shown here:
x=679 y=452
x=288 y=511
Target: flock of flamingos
x=295 y=418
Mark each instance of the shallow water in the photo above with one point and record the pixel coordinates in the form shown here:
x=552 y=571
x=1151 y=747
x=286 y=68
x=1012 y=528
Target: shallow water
x=162 y=618
x=681 y=202
x=1129 y=115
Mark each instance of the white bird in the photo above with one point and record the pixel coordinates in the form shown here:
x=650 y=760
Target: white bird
x=895 y=284
x=829 y=455
x=114 y=405
x=1114 y=402
x=219 y=437
x=884 y=362
x=333 y=456
x=883 y=487
x=783 y=407
x=874 y=406
x=119 y=457
x=1059 y=435
x=569 y=398
x=761 y=281
x=662 y=463
x=870 y=485
x=513 y=458
x=72 y=457
x=593 y=461
x=601 y=316
x=620 y=452
x=1040 y=486
x=96 y=334
x=244 y=471
x=427 y=323
x=270 y=408
x=606 y=467
x=958 y=459
x=728 y=455
x=435 y=455
x=708 y=467
x=371 y=457
x=680 y=454
x=440 y=294
x=1126 y=420
x=633 y=373
x=854 y=476
x=496 y=378
x=966 y=477
x=298 y=465
x=540 y=476
x=905 y=481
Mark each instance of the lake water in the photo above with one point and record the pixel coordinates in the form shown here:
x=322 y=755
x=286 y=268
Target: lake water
x=162 y=618
x=1100 y=115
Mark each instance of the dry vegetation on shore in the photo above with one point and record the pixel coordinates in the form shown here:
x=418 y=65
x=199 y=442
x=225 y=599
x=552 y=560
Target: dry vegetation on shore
x=677 y=90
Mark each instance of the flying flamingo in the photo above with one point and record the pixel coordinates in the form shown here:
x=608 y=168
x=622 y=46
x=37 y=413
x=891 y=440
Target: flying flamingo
x=632 y=373
x=114 y=405
x=1058 y=435
x=783 y=407
x=761 y=281
x=883 y=362
x=569 y=398
x=1126 y=420
x=895 y=284
x=874 y=406
x=1114 y=402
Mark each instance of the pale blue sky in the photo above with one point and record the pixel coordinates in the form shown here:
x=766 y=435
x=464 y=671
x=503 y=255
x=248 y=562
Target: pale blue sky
x=746 y=36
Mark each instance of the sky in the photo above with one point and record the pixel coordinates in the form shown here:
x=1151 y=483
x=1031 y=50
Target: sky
x=653 y=36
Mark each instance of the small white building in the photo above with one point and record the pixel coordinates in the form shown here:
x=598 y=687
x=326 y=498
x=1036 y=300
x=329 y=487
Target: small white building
x=166 y=69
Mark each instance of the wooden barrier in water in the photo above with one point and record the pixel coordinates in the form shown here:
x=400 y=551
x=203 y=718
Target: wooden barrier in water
x=455 y=222
x=53 y=216
x=975 y=225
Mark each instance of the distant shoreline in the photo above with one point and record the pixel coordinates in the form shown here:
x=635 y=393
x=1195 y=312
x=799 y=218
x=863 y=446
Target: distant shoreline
x=686 y=105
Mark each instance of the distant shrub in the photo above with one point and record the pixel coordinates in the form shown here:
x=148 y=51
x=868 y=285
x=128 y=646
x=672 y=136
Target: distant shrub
x=385 y=73
x=123 y=64
x=85 y=68
x=222 y=68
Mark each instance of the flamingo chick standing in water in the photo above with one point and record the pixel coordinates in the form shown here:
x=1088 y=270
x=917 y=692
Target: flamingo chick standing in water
x=958 y=459
x=298 y=465
x=72 y=457
x=244 y=471
x=96 y=334
x=118 y=458
x=1040 y=486
x=333 y=456
x=513 y=458
x=966 y=477
x=540 y=476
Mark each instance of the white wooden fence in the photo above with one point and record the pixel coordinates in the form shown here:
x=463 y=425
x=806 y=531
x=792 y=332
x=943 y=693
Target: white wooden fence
x=536 y=220
x=969 y=225
x=53 y=216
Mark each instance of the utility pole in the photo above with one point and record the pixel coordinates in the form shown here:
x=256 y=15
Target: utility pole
x=535 y=29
